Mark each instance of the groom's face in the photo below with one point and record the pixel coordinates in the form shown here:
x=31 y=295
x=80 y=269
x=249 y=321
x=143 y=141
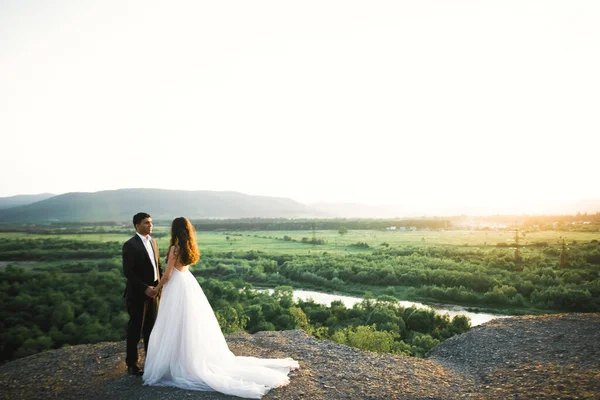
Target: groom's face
x=145 y=227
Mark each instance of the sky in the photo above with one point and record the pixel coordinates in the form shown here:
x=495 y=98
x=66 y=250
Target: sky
x=488 y=105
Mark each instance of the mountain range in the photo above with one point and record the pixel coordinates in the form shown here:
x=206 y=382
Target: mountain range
x=122 y=204
x=22 y=200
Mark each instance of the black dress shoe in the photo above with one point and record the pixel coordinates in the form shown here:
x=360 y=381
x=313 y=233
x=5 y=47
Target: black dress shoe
x=135 y=370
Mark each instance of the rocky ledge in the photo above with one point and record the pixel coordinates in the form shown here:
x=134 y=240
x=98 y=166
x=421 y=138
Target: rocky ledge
x=553 y=356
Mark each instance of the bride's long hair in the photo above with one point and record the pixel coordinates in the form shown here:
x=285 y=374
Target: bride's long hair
x=183 y=237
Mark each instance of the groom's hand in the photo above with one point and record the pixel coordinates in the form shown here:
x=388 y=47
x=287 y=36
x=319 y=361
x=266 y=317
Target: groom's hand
x=150 y=291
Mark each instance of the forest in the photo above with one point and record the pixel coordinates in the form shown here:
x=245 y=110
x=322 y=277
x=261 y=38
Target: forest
x=59 y=289
x=47 y=310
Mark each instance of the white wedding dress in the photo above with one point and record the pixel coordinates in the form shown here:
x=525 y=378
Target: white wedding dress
x=188 y=350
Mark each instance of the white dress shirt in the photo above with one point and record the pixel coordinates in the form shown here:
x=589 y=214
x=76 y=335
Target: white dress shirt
x=148 y=245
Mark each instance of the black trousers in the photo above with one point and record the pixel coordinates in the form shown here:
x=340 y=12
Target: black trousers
x=142 y=314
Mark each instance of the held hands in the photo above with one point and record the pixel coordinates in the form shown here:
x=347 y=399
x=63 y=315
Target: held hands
x=151 y=291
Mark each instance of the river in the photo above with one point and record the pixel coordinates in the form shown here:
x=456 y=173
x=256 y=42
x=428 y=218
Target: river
x=350 y=301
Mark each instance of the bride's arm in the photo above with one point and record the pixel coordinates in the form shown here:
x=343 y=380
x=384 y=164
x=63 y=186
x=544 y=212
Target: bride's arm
x=170 y=265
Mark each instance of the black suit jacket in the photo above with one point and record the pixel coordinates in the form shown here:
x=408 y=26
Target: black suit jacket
x=138 y=268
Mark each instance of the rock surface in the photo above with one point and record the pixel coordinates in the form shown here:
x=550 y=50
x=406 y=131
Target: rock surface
x=554 y=356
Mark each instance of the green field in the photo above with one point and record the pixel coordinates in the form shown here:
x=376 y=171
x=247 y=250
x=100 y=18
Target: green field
x=268 y=241
x=272 y=241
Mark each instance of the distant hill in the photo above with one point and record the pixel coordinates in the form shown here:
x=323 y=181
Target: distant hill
x=22 y=200
x=122 y=204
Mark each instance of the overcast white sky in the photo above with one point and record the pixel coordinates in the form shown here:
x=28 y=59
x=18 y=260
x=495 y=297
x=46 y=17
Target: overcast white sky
x=478 y=103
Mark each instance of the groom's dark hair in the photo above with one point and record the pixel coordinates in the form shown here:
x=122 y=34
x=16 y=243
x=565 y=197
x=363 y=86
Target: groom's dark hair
x=139 y=217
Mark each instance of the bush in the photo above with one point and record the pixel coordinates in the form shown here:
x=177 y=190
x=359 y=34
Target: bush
x=366 y=338
x=362 y=245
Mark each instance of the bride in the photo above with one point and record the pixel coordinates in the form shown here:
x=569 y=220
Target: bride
x=187 y=348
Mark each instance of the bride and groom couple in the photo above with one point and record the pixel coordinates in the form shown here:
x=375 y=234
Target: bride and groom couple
x=182 y=338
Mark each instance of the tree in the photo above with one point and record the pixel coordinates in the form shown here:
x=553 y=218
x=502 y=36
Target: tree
x=366 y=338
x=518 y=257
x=422 y=343
x=343 y=230
x=63 y=314
x=230 y=320
x=420 y=320
x=564 y=255
x=460 y=324
x=300 y=319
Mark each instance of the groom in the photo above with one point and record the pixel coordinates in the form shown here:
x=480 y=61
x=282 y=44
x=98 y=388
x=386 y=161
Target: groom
x=141 y=267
